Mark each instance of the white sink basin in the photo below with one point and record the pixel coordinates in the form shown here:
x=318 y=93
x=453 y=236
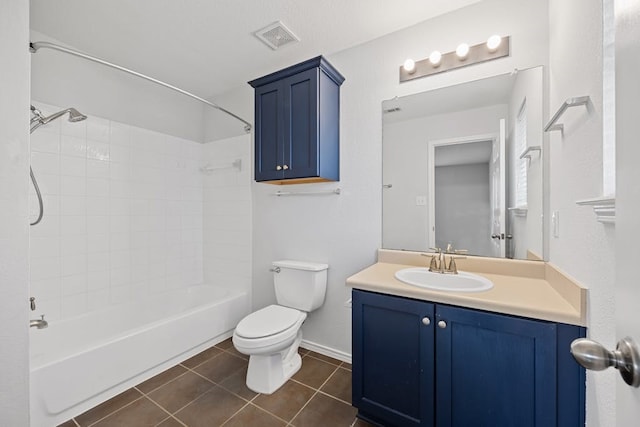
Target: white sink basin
x=461 y=282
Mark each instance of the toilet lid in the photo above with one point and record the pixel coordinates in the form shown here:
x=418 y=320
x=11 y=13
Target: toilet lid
x=267 y=321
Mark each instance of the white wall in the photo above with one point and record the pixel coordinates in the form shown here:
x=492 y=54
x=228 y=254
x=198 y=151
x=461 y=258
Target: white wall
x=123 y=214
x=585 y=247
x=462 y=208
x=406 y=155
x=14 y=230
x=344 y=230
x=227 y=213
x=58 y=78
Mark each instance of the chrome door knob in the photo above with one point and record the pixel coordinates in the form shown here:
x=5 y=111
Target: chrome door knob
x=426 y=321
x=442 y=324
x=625 y=358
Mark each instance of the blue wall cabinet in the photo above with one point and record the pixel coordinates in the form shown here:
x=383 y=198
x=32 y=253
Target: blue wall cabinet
x=417 y=363
x=297 y=124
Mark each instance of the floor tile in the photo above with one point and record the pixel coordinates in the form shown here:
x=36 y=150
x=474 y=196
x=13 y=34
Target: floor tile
x=362 y=423
x=170 y=422
x=181 y=391
x=237 y=383
x=324 y=411
x=346 y=365
x=226 y=344
x=140 y=413
x=286 y=401
x=220 y=367
x=314 y=372
x=201 y=357
x=69 y=423
x=339 y=385
x=253 y=416
x=324 y=358
x=106 y=408
x=211 y=409
x=236 y=353
x=161 y=379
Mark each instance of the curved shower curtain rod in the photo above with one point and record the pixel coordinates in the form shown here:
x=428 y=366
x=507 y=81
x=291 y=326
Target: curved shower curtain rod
x=35 y=46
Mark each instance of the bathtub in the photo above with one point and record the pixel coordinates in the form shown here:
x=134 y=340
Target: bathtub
x=81 y=362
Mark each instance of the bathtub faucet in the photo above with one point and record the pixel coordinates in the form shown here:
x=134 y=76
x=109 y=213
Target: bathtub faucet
x=38 y=323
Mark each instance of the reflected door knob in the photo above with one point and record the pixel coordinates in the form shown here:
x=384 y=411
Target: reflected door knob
x=625 y=358
x=495 y=236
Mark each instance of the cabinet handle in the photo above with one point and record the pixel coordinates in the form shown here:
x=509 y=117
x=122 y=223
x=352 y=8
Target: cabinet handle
x=426 y=321
x=442 y=324
x=285 y=167
x=278 y=168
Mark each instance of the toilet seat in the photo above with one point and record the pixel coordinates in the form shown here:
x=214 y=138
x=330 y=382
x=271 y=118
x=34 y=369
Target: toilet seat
x=268 y=326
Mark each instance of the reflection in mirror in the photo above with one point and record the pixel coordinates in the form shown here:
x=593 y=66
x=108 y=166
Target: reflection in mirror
x=462 y=167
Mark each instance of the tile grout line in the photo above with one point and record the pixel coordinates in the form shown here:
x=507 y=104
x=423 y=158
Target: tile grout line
x=311 y=398
x=117 y=410
x=162 y=407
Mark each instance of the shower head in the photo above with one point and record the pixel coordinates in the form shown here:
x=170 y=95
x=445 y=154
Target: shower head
x=74 y=116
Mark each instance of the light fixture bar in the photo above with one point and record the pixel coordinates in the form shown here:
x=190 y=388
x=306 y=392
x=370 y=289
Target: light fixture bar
x=450 y=61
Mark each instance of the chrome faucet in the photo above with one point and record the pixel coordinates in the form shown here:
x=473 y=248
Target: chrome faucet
x=38 y=323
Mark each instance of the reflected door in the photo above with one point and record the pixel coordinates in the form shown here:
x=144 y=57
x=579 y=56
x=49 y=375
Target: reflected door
x=497 y=194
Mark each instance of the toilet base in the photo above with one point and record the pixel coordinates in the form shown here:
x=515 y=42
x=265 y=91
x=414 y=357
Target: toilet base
x=267 y=373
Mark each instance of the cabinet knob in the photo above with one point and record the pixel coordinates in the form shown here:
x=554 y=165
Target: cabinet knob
x=426 y=321
x=278 y=168
x=442 y=324
x=285 y=167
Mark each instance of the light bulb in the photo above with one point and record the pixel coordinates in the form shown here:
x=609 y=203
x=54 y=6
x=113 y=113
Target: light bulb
x=493 y=42
x=409 y=66
x=435 y=58
x=462 y=50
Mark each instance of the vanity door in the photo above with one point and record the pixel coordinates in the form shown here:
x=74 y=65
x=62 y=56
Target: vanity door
x=494 y=370
x=393 y=359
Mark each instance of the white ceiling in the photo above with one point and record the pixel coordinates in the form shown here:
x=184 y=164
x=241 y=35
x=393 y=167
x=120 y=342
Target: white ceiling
x=207 y=46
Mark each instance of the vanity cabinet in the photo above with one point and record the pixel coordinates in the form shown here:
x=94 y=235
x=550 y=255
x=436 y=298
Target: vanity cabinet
x=297 y=118
x=417 y=363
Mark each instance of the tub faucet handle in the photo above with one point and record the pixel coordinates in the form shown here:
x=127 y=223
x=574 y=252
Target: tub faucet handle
x=32 y=303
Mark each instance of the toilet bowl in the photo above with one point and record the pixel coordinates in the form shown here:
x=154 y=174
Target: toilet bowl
x=271 y=336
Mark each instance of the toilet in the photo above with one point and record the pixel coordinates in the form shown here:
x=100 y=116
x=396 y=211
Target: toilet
x=271 y=336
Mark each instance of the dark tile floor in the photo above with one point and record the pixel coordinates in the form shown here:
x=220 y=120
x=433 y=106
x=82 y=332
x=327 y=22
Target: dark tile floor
x=209 y=390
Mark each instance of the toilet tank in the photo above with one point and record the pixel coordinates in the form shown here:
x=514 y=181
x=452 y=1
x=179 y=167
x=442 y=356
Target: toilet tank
x=300 y=284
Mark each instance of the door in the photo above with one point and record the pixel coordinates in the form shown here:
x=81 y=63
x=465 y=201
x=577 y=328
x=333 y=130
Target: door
x=498 y=189
x=627 y=196
x=494 y=370
x=268 y=132
x=393 y=361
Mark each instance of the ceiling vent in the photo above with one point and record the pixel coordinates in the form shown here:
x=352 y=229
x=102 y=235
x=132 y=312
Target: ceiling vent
x=276 y=35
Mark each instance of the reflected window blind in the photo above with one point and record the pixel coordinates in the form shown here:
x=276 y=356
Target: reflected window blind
x=521 y=145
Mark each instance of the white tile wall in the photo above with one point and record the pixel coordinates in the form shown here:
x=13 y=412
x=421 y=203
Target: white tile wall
x=123 y=214
x=227 y=214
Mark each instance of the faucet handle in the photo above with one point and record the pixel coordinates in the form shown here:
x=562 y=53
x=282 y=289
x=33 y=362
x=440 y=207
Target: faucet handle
x=436 y=250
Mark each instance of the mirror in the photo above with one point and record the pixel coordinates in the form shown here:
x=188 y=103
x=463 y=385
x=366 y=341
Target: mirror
x=462 y=166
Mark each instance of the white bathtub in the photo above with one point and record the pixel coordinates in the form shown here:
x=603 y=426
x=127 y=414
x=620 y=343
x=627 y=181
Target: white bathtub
x=81 y=362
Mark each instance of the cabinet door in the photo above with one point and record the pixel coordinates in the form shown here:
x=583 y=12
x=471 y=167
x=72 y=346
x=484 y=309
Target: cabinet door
x=393 y=365
x=269 y=115
x=301 y=125
x=494 y=370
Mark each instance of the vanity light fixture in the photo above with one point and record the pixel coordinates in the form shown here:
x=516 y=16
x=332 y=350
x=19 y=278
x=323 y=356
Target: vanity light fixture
x=493 y=42
x=435 y=58
x=495 y=47
x=409 y=66
x=462 y=51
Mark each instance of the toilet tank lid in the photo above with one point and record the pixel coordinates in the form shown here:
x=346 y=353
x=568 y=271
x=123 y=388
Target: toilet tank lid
x=300 y=265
